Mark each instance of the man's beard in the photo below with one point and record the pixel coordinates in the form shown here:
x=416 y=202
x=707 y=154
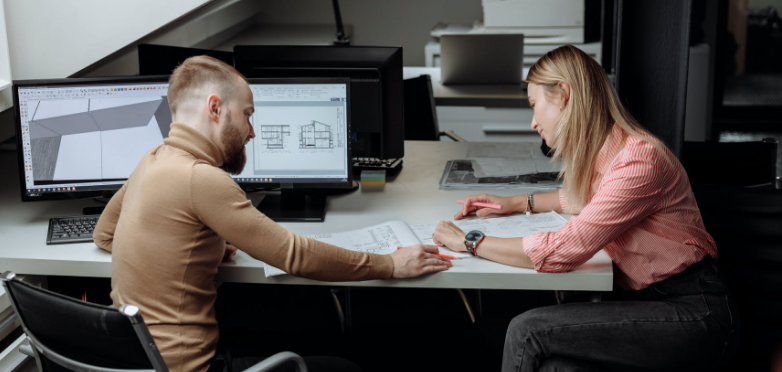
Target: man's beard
x=233 y=143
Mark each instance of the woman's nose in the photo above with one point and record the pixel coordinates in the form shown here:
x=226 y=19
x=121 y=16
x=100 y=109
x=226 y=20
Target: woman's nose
x=534 y=124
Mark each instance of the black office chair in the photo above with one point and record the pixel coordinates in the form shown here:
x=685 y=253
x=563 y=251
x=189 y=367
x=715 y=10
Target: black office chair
x=420 y=112
x=731 y=163
x=746 y=224
x=70 y=335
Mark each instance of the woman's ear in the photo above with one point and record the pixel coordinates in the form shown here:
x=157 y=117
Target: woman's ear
x=565 y=89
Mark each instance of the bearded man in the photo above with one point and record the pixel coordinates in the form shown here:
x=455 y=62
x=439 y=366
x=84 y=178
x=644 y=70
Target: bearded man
x=168 y=224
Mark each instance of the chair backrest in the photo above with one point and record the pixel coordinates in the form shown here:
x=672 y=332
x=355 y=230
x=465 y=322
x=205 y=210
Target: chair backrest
x=420 y=110
x=67 y=334
x=746 y=224
x=731 y=163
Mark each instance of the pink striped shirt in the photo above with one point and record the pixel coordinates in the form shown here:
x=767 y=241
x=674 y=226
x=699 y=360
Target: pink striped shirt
x=642 y=212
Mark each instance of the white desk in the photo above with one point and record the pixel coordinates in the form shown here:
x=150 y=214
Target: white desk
x=497 y=95
x=413 y=196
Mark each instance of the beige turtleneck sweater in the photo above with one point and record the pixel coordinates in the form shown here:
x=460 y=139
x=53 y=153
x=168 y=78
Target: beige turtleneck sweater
x=167 y=228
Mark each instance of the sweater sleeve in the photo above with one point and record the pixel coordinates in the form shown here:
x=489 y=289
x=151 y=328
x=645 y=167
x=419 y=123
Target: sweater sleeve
x=103 y=235
x=222 y=206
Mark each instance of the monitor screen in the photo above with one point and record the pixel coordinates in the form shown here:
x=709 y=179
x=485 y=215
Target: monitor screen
x=375 y=75
x=78 y=136
x=301 y=134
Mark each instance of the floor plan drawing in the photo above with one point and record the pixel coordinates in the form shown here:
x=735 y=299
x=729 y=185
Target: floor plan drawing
x=273 y=135
x=316 y=135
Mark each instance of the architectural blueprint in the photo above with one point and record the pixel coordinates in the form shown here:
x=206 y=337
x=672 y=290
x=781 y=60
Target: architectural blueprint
x=316 y=135
x=385 y=237
x=274 y=135
x=297 y=138
x=514 y=226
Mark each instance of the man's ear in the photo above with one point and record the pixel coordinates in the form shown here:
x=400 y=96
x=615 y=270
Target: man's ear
x=565 y=89
x=213 y=106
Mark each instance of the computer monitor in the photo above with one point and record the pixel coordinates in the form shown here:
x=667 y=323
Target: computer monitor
x=375 y=75
x=80 y=138
x=163 y=59
x=301 y=145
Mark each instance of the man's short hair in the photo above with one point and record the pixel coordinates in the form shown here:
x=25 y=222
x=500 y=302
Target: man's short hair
x=198 y=73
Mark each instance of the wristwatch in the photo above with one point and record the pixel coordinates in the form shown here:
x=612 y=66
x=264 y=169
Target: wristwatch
x=472 y=239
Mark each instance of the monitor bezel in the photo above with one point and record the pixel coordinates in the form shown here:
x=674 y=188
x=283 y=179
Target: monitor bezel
x=17 y=84
x=309 y=185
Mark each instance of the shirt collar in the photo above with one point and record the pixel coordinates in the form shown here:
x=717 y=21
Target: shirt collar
x=186 y=138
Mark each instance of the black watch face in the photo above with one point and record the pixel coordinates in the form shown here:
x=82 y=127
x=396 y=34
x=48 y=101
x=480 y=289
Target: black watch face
x=473 y=236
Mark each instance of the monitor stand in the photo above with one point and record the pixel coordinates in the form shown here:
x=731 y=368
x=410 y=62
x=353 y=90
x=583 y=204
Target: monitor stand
x=92 y=210
x=294 y=206
x=103 y=199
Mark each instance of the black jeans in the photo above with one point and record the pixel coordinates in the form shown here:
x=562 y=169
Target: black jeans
x=687 y=322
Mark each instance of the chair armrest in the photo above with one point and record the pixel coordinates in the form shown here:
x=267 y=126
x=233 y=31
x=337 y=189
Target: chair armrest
x=278 y=359
x=450 y=134
x=26 y=350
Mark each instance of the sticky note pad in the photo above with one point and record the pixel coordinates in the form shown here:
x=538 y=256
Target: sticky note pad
x=373 y=180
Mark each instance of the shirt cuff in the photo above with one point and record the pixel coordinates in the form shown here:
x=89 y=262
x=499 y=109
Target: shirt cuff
x=382 y=266
x=562 y=200
x=538 y=247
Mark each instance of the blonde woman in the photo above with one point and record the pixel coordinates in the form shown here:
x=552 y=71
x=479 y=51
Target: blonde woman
x=630 y=197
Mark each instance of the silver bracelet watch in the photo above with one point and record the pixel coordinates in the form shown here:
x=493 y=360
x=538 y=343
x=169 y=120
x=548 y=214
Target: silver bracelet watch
x=472 y=239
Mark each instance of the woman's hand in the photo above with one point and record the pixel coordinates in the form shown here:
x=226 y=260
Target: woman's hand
x=446 y=234
x=508 y=205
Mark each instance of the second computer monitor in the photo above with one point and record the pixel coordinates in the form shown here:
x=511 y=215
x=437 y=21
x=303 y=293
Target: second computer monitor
x=375 y=75
x=301 y=134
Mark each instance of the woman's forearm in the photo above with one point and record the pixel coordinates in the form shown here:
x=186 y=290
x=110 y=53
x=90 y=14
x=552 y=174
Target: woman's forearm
x=507 y=251
x=543 y=202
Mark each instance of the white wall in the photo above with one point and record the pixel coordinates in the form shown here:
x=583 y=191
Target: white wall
x=54 y=39
x=205 y=29
x=378 y=22
x=57 y=39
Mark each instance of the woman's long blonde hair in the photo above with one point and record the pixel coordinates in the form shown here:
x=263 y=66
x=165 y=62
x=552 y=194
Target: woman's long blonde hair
x=587 y=117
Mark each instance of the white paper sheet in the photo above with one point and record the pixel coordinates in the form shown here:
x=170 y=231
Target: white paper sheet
x=385 y=237
x=500 y=150
x=515 y=226
x=381 y=239
x=501 y=167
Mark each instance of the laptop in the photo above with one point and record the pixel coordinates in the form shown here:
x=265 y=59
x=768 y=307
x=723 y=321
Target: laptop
x=481 y=58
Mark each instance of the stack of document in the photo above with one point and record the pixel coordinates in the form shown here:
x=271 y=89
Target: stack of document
x=384 y=238
x=501 y=165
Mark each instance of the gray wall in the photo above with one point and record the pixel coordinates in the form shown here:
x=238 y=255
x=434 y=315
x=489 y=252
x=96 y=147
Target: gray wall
x=378 y=22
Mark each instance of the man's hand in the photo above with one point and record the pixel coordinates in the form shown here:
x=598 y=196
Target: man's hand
x=417 y=260
x=446 y=234
x=230 y=251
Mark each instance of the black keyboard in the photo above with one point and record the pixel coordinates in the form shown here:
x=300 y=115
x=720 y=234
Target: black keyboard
x=72 y=229
x=376 y=164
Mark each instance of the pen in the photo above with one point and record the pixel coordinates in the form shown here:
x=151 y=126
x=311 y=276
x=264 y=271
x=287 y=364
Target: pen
x=485 y=205
x=441 y=255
